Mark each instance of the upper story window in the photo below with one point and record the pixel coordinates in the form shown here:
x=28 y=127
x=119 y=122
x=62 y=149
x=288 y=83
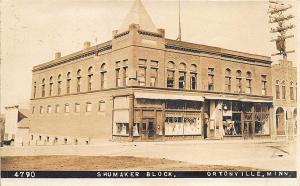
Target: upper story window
x=103 y=81
x=90 y=78
x=283 y=90
x=263 y=85
x=88 y=107
x=68 y=83
x=170 y=74
x=101 y=106
x=78 y=83
x=277 y=91
x=125 y=72
x=49 y=109
x=182 y=76
x=118 y=78
x=59 y=85
x=228 y=80
x=34 y=89
x=41 y=109
x=154 y=73
x=248 y=82
x=57 y=108
x=50 y=86
x=67 y=108
x=239 y=81
x=77 y=107
x=292 y=97
x=193 y=76
x=142 y=72
x=211 y=77
x=43 y=87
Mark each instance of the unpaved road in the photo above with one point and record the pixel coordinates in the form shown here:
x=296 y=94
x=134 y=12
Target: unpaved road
x=65 y=163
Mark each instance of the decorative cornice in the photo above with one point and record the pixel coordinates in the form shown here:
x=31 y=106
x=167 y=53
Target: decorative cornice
x=216 y=53
x=70 y=59
x=121 y=34
x=149 y=34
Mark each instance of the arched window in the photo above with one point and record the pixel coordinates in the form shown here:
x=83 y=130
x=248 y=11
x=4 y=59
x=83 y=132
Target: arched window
x=68 y=83
x=170 y=74
x=50 y=86
x=103 y=77
x=292 y=97
x=78 y=80
x=43 y=87
x=277 y=89
x=59 y=85
x=34 y=89
x=182 y=76
x=193 y=76
x=283 y=90
x=248 y=82
x=90 y=78
x=228 y=80
x=238 y=81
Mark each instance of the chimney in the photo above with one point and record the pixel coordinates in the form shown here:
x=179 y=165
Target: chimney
x=57 y=55
x=86 y=45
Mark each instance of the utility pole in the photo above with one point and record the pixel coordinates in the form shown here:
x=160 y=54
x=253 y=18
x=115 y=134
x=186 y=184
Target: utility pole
x=277 y=16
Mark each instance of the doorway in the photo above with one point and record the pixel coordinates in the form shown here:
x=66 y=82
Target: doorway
x=148 y=129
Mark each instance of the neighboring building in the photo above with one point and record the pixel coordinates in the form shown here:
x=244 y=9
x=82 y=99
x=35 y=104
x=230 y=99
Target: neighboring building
x=142 y=86
x=2 y=127
x=285 y=98
x=16 y=125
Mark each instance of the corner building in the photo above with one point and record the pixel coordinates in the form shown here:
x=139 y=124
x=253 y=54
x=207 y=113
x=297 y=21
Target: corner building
x=142 y=86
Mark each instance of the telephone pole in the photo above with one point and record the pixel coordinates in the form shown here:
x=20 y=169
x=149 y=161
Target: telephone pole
x=277 y=16
x=179 y=22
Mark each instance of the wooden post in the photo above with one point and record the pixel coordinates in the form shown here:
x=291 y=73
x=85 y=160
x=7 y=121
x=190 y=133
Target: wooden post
x=253 y=120
x=131 y=116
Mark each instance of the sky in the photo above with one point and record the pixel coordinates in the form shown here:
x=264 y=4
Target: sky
x=33 y=30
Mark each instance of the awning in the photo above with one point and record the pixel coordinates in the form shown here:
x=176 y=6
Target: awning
x=256 y=100
x=167 y=96
x=221 y=98
x=238 y=99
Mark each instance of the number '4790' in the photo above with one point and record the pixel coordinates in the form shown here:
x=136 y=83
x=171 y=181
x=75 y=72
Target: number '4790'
x=25 y=174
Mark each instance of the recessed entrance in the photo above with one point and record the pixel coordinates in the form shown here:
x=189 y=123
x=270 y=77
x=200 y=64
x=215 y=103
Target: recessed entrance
x=148 y=129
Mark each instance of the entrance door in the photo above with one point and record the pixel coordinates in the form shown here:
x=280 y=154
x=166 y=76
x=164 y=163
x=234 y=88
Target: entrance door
x=248 y=131
x=148 y=129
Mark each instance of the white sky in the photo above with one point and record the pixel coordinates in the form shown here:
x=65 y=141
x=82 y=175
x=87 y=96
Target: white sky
x=33 y=30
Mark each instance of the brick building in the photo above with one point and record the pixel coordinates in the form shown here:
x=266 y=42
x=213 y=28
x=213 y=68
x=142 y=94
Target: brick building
x=285 y=98
x=142 y=86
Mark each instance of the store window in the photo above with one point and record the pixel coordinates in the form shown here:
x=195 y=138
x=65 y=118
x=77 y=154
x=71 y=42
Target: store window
x=103 y=78
x=249 y=82
x=211 y=76
x=231 y=112
x=228 y=80
x=170 y=74
x=122 y=129
x=263 y=85
x=262 y=122
x=90 y=78
x=277 y=89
